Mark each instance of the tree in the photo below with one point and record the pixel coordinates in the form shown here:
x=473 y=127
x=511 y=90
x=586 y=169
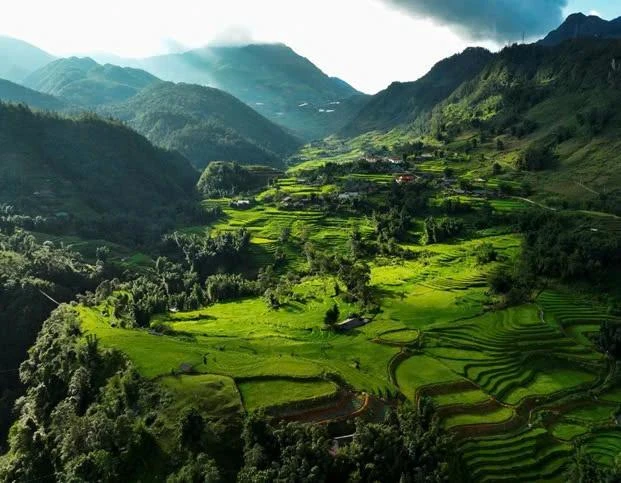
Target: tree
x=191 y=430
x=537 y=157
x=332 y=316
x=102 y=253
x=200 y=470
x=486 y=253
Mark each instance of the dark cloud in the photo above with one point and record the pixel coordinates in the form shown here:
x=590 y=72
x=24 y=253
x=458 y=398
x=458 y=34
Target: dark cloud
x=500 y=20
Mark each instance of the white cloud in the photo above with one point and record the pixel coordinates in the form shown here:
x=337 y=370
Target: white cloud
x=362 y=41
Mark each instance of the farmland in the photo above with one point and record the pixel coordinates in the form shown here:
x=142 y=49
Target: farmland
x=517 y=386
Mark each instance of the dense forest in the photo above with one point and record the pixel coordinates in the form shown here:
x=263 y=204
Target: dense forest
x=205 y=124
x=90 y=176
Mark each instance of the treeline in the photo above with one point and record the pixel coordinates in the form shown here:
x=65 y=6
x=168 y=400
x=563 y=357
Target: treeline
x=192 y=271
x=88 y=416
x=221 y=179
x=572 y=247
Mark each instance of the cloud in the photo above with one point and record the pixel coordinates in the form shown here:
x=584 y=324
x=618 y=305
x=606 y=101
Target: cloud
x=234 y=35
x=498 y=20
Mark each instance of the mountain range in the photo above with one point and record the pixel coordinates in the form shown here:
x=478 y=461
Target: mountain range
x=84 y=82
x=273 y=79
x=19 y=58
x=206 y=124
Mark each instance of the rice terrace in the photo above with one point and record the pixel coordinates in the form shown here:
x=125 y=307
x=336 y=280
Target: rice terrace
x=221 y=262
x=518 y=387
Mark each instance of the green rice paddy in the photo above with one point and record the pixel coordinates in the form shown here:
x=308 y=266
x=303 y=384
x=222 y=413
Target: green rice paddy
x=492 y=373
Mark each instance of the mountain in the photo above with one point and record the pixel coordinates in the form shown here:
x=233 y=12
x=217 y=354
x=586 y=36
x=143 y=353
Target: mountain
x=84 y=82
x=403 y=102
x=579 y=25
x=553 y=111
x=205 y=124
x=271 y=78
x=11 y=92
x=18 y=59
x=88 y=175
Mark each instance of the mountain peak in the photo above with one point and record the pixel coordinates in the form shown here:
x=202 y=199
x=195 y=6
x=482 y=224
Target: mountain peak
x=579 y=25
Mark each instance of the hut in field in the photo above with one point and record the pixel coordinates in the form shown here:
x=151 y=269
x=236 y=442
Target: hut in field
x=351 y=323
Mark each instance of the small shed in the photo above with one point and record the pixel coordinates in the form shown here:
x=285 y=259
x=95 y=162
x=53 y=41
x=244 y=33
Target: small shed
x=351 y=323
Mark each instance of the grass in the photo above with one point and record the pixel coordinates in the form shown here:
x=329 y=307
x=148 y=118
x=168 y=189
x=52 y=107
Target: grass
x=498 y=416
x=568 y=431
x=215 y=396
x=419 y=371
x=472 y=396
x=266 y=393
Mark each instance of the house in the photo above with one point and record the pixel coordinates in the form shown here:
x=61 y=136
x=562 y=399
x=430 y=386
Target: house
x=240 y=204
x=352 y=195
x=425 y=156
x=351 y=323
x=404 y=179
x=394 y=161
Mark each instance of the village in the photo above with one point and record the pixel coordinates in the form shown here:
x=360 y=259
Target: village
x=402 y=172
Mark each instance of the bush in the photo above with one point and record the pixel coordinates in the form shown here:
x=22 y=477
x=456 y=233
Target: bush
x=332 y=316
x=537 y=157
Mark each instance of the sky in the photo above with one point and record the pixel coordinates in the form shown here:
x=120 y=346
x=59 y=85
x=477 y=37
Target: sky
x=368 y=43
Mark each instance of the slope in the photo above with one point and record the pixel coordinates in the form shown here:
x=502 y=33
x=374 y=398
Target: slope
x=19 y=58
x=205 y=124
x=272 y=78
x=86 y=175
x=549 y=112
x=11 y=92
x=85 y=82
x=579 y=25
x=404 y=102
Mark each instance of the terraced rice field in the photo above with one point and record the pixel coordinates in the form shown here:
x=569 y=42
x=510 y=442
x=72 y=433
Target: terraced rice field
x=577 y=319
x=517 y=387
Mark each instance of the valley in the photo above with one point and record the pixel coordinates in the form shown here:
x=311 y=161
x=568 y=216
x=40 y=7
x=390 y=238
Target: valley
x=225 y=265
x=527 y=380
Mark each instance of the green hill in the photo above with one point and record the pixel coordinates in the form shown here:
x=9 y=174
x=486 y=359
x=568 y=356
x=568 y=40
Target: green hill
x=87 y=83
x=537 y=102
x=271 y=78
x=11 y=92
x=205 y=124
x=19 y=58
x=89 y=176
x=403 y=102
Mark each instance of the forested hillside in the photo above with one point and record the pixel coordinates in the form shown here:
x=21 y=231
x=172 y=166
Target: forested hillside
x=15 y=93
x=33 y=277
x=89 y=176
x=404 y=102
x=205 y=124
x=549 y=111
x=84 y=82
